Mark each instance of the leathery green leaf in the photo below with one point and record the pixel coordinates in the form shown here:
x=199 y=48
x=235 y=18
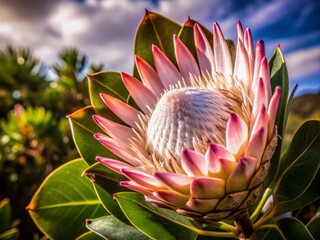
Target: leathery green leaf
x=301 y=157
x=112 y=229
x=158 y=30
x=111 y=84
x=311 y=194
x=63 y=202
x=89 y=236
x=83 y=128
x=155 y=222
x=5 y=215
x=313 y=225
x=287 y=229
x=106 y=183
x=278 y=77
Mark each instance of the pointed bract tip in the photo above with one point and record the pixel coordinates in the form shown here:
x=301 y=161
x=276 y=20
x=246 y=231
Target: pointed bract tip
x=261 y=131
x=260 y=43
x=189 y=22
x=115 y=194
x=215 y=26
x=233 y=116
x=97 y=136
x=146 y=11
x=155 y=48
x=279 y=89
x=137 y=58
x=263 y=109
x=98 y=159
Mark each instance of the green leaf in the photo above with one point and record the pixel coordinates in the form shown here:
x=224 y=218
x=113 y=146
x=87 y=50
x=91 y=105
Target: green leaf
x=11 y=234
x=288 y=229
x=89 y=236
x=186 y=35
x=112 y=229
x=157 y=223
x=313 y=225
x=278 y=77
x=7 y=230
x=111 y=84
x=63 y=202
x=158 y=30
x=301 y=157
x=83 y=128
x=5 y=215
x=310 y=195
x=106 y=183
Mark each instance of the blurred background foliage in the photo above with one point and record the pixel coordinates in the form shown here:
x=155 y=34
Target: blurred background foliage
x=35 y=137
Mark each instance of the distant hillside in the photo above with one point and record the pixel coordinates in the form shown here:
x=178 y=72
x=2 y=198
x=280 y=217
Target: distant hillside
x=303 y=108
x=305 y=105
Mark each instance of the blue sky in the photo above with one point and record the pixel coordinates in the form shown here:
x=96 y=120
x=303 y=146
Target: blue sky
x=104 y=30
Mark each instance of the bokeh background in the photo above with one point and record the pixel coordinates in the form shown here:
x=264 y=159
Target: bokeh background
x=48 y=47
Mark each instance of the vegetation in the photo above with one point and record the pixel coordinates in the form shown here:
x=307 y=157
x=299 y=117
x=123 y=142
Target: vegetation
x=35 y=137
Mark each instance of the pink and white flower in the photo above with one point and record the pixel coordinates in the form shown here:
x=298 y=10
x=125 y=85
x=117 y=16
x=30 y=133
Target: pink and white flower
x=201 y=141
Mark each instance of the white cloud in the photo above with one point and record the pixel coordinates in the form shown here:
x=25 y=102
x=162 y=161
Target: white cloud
x=303 y=62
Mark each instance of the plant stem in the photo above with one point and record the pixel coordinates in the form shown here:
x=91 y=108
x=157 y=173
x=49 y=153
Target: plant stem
x=244 y=225
x=263 y=200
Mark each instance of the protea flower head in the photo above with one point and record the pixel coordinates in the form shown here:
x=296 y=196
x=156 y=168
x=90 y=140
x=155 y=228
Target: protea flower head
x=201 y=141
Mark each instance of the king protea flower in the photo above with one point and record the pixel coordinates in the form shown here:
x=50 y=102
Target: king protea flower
x=201 y=141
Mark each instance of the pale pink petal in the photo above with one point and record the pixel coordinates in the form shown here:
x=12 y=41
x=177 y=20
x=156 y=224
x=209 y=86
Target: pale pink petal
x=119 y=149
x=206 y=187
x=241 y=65
x=261 y=120
x=236 y=135
x=227 y=166
x=248 y=43
x=186 y=62
x=136 y=187
x=167 y=71
x=222 y=58
x=258 y=138
x=239 y=31
x=213 y=162
x=264 y=74
x=115 y=130
x=202 y=205
x=142 y=178
x=114 y=165
x=214 y=155
x=140 y=93
x=221 y=152
x=256 y=146
x=204 y=50
x=259 y=101
x=124 y=111
x=260 y=53
x=177 y=182
x=272 y=111
x=193 y=163
x=171 y=197
x=149 y=76
x=240 y=177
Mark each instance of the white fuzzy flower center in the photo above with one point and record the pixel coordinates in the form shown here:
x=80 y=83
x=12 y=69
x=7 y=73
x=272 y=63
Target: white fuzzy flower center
x=186 y=117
